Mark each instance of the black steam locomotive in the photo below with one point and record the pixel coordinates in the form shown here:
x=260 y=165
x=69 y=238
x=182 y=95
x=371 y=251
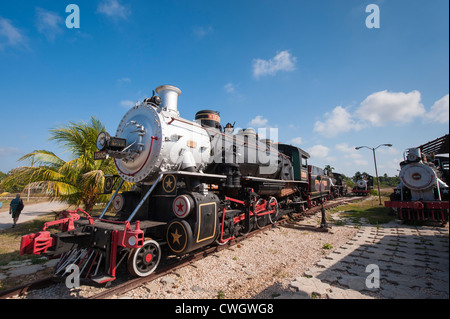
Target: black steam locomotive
x=196 y=184
x=363 y=186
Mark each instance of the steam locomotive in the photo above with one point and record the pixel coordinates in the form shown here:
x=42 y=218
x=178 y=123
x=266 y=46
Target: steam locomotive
x=423 y=192
x=196 y=184
x=363 y=185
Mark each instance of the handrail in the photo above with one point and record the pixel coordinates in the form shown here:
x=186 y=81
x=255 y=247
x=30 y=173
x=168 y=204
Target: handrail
x=112 y=198
x=145 y=198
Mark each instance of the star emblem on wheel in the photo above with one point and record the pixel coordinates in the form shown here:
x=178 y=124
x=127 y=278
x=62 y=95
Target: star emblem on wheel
x=176 y=237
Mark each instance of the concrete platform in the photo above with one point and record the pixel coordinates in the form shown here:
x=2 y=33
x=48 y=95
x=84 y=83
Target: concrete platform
x=406 y=262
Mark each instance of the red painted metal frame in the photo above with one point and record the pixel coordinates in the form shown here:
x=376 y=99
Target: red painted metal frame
x=37 y=243
x=419 y=208
x=235 y=200
x=260 y=210
x=121 y=238
x=418 y=205
x=40 y=242
x=360 y=191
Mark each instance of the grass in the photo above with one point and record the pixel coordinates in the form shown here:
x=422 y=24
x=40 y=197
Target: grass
x=368 y=209
x=10 y=237
x=9 y=250
x=10 y=245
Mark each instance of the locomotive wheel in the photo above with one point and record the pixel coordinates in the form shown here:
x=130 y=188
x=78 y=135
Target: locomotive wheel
x=261 y=221
x=143 y=261
x=274 y=216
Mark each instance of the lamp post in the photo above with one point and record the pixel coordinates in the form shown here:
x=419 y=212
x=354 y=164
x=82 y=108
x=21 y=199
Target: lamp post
x=375 y=162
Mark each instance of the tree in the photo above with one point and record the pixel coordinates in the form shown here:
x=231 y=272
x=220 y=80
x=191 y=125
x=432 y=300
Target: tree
x=329 y=169
x=18 y=184
x=78 y=181
x=2 y=177
x=357 y=176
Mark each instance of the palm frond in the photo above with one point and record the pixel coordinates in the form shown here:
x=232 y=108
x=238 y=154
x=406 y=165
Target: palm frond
x=79 y=138
x=42 y=157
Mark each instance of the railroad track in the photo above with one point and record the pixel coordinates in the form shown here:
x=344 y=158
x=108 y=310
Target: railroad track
x=122 y=288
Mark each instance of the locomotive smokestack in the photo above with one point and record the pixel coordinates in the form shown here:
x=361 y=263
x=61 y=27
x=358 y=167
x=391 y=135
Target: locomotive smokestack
x=169 y=96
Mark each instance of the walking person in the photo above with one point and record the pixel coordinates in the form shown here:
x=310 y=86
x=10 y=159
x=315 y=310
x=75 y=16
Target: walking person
x=15 y=208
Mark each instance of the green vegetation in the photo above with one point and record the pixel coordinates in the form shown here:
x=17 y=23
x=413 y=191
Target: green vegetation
x=368 y=209
x=10 y=238
x=16 y=187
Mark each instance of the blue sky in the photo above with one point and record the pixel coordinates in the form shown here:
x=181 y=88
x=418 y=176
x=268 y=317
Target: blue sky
x=311 y=69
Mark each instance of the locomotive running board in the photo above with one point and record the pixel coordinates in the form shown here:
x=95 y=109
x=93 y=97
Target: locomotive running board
x=262 y=179
x=195 y=174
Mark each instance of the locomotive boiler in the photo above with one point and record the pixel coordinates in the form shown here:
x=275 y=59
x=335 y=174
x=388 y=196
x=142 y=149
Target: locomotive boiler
x=195 y=184
x=421 y=194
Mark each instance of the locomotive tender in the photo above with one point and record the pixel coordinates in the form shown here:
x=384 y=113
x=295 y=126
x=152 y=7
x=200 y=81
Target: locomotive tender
x=196 y=184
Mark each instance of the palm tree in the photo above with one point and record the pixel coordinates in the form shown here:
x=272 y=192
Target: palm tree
x=78 y=181
x=329 y=169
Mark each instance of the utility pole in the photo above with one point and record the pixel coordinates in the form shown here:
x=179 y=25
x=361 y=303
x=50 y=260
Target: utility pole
x=375 y=162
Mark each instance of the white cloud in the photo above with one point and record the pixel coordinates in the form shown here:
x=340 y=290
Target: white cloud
x=48 y=23
x=297 y=141
x=113 y=9
x=229 y=87
x=201 y=32
x=127 y=103
x=439 y=111
x=338 y=121
x=9 y=34
x=380 y=109
x=344 y=147
x=258 y=121
x=318 y=151
x=349 y=151
x=283 y=61
x=124 y=80
x=383 y=107
x=390 y=166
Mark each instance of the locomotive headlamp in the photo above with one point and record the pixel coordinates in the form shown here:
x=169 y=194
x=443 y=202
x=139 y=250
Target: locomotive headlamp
x=106 y=142
x=103 y=140
x=132 y=241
